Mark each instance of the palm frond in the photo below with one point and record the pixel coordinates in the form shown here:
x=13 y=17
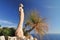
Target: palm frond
x=39 y=24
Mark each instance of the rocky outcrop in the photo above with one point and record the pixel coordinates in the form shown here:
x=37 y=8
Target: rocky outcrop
x=19 y=30
x=16 y=38
x=2 y=38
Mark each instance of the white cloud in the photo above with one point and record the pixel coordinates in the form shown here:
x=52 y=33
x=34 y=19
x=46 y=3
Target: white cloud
x=9 y=26
x=6 y=23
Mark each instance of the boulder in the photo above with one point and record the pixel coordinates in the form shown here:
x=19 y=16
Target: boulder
x=35 y=38
x=12 y=38
x=2 y=38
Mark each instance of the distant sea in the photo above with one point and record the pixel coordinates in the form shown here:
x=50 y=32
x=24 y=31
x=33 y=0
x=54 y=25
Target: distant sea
x=49 y=37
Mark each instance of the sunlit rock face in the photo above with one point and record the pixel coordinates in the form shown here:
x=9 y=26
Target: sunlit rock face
x=2 y=38
x=25 y=38
x=12 y=38
x=35 y=38
x=19 y=30
x=17 y=38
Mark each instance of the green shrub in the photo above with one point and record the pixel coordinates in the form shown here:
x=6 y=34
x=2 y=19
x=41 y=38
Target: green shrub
x=12 y=32
x=0 y=32
x=6 y=31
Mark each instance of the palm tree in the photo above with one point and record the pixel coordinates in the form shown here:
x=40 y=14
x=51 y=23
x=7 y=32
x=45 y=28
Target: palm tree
x=36 y=23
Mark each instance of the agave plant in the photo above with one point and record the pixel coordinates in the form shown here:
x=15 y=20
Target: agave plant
x=36 y=23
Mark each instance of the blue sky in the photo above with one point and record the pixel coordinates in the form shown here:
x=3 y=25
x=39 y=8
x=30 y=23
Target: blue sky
x=49 y=9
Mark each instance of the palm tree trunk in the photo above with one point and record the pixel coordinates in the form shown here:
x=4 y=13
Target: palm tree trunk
x=30 y=29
